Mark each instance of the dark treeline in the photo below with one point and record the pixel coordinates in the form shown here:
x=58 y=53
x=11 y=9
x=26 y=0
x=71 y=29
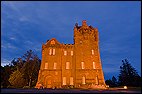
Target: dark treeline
x=128 y=76
x=21 y=72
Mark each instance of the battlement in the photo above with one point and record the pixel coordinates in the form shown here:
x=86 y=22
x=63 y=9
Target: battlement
x=85 y=32
x=67 y=45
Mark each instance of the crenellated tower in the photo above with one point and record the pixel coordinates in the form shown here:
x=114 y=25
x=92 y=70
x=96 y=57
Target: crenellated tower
x=87 y=55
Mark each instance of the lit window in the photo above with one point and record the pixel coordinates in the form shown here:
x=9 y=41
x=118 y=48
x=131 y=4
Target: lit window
x=46 y=66
x=64 y=80
x=83 y=80
x=65 y=52
x=50 y=51
x=92 y=52
x=53 y=51
x=97 y=80
x=71 y=53
x=55 y=66
x=71 y=80
x=94 y=65
x=67 y=65
x=82 y=65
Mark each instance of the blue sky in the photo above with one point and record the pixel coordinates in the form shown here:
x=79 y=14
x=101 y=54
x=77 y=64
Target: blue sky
x=27 y=25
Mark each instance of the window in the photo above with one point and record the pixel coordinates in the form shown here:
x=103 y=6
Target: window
x=71 y=53
x=96 y=80
x=82 y=65
x=71 y=80
x=53 y=51
x=46 y=66
x=64 y=80
x=94 y=65
x=55 y=66
x=67 y=65
x=50 y=51
x=65 y=52
x=83 y=80
x=92 y=52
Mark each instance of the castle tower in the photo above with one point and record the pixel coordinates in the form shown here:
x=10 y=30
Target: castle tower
x=88 y=63
x=75 y=65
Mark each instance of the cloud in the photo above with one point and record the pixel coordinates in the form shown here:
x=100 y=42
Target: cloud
x=5 y=62
x=38 y=49
x=8 y=46
x=28 y=42
x=2 y=46
x=12 y=38
x=24 y=19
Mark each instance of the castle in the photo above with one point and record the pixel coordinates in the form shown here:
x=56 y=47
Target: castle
x=76 y=65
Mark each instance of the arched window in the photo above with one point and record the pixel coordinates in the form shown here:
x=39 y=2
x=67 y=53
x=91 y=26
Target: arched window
x=94 y=66
x=65 y=52
x=92 y=52
x=55 y=66
x=67 y=65
x=46 y=66
x=96 y=82
x=53 y=51
x=64 y=80
x=71 y=80
x=71 y=53
x=83 y=80
x=82 y=65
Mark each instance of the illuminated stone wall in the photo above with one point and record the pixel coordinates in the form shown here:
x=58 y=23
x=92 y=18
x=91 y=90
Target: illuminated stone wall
x=77 y=64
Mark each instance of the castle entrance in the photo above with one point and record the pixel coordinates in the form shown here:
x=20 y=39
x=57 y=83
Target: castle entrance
x=49 y=83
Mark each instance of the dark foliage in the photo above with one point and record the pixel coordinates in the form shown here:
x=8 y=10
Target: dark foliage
x=27 y=67
x=128 y=75
x=5 y=74
x=112 y=82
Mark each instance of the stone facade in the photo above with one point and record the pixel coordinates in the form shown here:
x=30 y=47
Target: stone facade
x=77 y=65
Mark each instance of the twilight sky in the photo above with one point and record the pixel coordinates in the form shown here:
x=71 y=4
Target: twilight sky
x=27 y=25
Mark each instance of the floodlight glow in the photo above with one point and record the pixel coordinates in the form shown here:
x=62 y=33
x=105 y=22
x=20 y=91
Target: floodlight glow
x=125 y=87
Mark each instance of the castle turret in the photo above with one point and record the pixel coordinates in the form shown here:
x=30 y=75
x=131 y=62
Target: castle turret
x=87 y=54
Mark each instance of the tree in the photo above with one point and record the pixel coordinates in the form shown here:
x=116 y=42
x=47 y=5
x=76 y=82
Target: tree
x=128 y=75
x=7 y=70
x=17 y=64
x=109 y=82
x=112 y=82
x=16 y=79
x=5 y=74
x=21 y=71
x=31 y=67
